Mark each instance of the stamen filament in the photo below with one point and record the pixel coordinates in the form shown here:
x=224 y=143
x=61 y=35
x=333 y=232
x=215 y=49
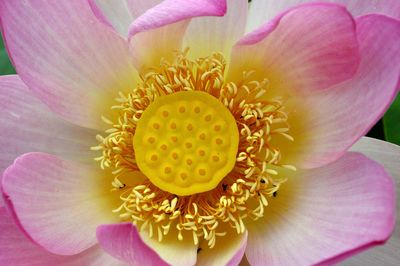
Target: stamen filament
x=242 y=194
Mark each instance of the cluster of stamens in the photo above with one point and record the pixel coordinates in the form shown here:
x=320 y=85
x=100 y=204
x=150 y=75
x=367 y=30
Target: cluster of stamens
x=243 y=193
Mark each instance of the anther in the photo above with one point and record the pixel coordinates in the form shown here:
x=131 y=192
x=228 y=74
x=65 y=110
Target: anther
x=198 y=124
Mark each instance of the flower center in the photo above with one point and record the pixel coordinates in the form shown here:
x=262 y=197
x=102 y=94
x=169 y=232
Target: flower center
x=186 y=142
x=193 y=154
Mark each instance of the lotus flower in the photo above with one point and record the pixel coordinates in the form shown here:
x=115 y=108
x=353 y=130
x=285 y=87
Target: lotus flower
x=190 y=132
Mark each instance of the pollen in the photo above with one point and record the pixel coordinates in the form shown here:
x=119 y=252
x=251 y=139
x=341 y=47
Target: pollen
x=193 y=153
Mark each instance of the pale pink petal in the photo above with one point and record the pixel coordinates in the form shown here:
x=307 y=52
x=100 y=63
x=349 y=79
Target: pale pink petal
x=261 y=11
x=123 y=242
x=229 y=250
x=151 y=46
x=325 y=214
x=58 y=203
x=388 y=155
x=138 y=7
x=385 y=153
x=120 y=14
x=207 y=35
x=171 y=11
x=158 y=33
x=171 y=250
x=27 y=125
x=16 y=249
x=306 y=49
x=69 y=59
x=105 y=12
x=332 y=120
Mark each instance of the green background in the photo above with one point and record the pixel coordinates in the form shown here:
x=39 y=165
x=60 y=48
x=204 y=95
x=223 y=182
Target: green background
x=387 y=128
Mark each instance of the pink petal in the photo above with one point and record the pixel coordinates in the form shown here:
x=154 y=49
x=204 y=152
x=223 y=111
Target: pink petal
x=151 y=46
x=207 y=35
x=150 y=34
x=388 y=155
x=336 y=118
x=123 y=242
x=16 y=249
x=171 y=11
x=120 y=14
x=58 y=203
x=26 y=125
x=385 y=153
x=171 y=250
x=297 y=52
x=262 y=11
x=325 y=214
x=228 y=250
x=70 y=60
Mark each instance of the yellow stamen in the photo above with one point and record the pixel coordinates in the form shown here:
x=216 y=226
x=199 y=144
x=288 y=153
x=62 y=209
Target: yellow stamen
x=240 y=193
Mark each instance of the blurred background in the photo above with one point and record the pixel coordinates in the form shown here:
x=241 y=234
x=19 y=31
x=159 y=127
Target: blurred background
x=388 y=128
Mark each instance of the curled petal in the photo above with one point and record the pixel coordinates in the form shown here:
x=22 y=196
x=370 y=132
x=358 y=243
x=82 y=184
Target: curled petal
x=388 y=155
x=150 y=34
x=125 y=243
x=263 y=10
x=385 y=153
x=171 y=11
x=16 y=249
x=325 y=214
x=120 y=14
x=58 y=203
x=306 y=49
x=330 y=121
